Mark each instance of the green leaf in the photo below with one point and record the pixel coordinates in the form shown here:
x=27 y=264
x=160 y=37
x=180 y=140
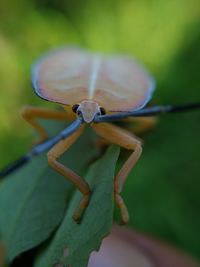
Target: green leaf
x=73 y=243
x=33 y=200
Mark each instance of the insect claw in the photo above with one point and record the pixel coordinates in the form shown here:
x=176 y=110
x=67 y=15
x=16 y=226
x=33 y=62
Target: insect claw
x=123 y=209
x=81 y=208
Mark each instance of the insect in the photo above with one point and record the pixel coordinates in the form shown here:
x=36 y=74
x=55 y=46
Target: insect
x=92 y=89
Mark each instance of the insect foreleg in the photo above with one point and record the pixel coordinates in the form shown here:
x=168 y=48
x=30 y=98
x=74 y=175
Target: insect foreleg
x=125 y=139
x=70 y=175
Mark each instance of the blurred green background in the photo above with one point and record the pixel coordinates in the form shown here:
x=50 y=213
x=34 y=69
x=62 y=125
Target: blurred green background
x=163 y=192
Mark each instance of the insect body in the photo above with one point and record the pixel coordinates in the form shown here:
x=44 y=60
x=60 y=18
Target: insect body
x=93 y=89
x=91 y=84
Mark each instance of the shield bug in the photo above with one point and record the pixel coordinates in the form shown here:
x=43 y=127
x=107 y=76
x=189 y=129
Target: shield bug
x=93 y=89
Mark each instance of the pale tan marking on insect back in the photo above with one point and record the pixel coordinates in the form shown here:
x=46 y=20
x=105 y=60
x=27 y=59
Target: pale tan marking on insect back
x=95 y=67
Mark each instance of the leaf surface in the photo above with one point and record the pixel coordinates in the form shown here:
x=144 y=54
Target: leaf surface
x=34 y=199
x=73 y=243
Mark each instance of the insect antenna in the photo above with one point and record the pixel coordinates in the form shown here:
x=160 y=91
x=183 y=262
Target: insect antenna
x=147 y=112
x=40 y=148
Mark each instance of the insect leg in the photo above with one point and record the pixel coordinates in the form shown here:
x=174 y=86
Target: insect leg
x=125 y=139
x=40 y=148
x=141 y=125
x=137 y=125
x=31 y=114
x=69 y=174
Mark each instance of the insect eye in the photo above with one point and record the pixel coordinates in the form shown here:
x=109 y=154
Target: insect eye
x=79 y=113
x=75 y=107
x=102 y=110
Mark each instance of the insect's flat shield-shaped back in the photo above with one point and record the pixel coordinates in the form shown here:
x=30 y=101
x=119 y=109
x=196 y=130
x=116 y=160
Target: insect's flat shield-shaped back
x=69 y=76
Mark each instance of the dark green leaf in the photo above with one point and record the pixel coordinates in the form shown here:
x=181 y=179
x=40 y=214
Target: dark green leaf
x=34 y=199
x=73 y=242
